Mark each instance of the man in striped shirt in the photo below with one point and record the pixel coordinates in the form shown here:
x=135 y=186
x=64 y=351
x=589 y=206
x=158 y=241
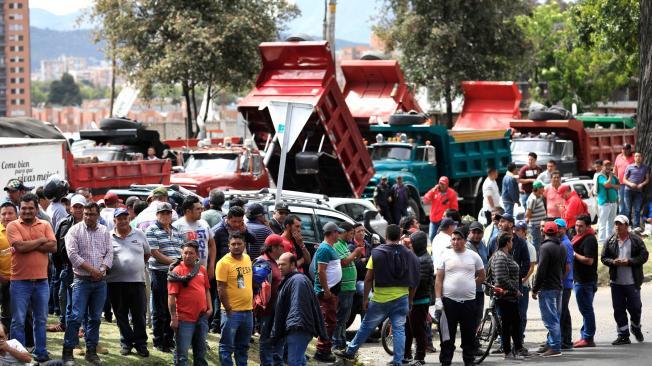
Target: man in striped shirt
x=257 y=226
x=91 y=253
x=535 y=213
x=165 y=244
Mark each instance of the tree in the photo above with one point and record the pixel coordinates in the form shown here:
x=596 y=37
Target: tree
x=644 y=111
x=583 y=53
x=443 y=42
x=188 y=43
x=64 y=91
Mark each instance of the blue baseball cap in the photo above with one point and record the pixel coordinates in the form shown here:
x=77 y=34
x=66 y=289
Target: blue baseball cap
x=508 y=217
x=521 y=225
x=561 y=223
x=120 y=211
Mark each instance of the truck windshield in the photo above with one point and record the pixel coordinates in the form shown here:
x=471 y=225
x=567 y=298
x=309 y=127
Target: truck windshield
x=382 y=152
x=212 y=163
x=541 y=147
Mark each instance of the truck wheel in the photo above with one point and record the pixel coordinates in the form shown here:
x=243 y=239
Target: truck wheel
x=301 y=37
x=415 y=209
x=407 y=119
x=549 y=114
x=119 y=123
x=372 y=56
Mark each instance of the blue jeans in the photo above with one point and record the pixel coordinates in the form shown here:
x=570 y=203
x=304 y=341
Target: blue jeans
x=523 y=198
x=397 y=311
x=434 y=226
x=550 y=311
x=26 y=293
x=236 y=333
x=297 y=342
x=191 y=333
x=523 y=304
x=87 y=299
x=535 y=233
x=344 y=304
x=584 y=293
x=633 y=202
x=65 y=294
x=622 y=210
x=271 y=353
x=509 y=208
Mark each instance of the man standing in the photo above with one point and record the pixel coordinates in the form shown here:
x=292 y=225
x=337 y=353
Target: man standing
x=327 y=287
x=281 y=211
x=165 y=245
x=585 y=275
x=546 y=176
x=8 y=213
x=192 y=227
x=441 y=198
x=126 y=283
x=475 y=244
x=90 y=251
x=636 y=178
x=620 y=165
x=393 y=272
x=293 y=242
x=625 y=254
x=527 y=175
x=458 y=274
x=189 y=301
x=510 y=189
x=574 y=206
x=271 y=354
x=400 y=199
x=214 y=214
x=535 y=213
x=297 y=316
x=111 y=201
x=547 y=287
x=554 y=200
x=565 y=321
x=442 y=241
x=32 y=240
x=490 y=193
x=520 y=230
x=381 y=199
x=234 y=285
x=347 y=285
x=149 y=216
x=607 y=192
x=258 y=227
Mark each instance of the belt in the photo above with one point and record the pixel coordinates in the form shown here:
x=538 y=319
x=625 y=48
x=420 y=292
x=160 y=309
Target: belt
x=83 y=278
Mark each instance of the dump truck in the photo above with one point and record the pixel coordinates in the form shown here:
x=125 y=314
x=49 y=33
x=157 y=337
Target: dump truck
x=423 y=153
x=328 y=156
x=374 y=90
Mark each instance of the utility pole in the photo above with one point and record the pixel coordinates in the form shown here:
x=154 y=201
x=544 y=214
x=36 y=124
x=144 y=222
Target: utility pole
x=330 y=19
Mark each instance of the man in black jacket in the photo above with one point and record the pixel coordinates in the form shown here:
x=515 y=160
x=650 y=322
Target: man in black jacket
x=417 y=317
x=297 y=316
x=547 y=287
x=625 y=254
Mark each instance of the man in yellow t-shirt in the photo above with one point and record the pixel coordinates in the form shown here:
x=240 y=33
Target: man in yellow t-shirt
x=8 y=213
x=234 y=285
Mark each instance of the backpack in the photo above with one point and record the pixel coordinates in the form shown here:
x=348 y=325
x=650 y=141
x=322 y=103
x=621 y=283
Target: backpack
x=262 y=279
x=60 y=257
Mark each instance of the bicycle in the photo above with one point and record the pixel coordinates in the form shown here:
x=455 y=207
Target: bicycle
x=387 y=338
x=490 y=326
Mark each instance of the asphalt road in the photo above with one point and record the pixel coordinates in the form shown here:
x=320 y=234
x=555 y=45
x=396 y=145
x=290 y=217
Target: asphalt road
x=604 y=354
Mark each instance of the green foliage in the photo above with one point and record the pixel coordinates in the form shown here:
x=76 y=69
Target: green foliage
x=443 y=42
x=583 y=53
x=40 y=91
x=65 y=92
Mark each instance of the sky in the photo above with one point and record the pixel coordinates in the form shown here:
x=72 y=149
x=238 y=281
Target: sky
x=60 y=7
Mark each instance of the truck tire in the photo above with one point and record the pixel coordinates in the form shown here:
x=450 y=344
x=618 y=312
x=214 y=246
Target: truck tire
x=407 y=119
x=415 y=208
x=119 y=123
x=372 y=56
x=301 y=37
x=549 y=114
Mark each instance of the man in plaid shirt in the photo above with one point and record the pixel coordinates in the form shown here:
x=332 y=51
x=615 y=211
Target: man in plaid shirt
x=91 y=253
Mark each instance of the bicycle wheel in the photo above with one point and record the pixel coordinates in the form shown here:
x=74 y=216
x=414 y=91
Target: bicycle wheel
x=386 y=337
x=486 y=335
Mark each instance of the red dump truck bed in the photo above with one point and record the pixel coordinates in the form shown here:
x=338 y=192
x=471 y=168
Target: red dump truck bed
x=590 y=144
x=304 y=72
x=376 y=89
x=488 y=105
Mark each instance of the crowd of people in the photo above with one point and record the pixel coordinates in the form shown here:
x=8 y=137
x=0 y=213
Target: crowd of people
x=188 y=270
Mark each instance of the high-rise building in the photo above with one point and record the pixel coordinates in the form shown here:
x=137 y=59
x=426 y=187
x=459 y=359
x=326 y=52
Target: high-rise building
x=15 y=97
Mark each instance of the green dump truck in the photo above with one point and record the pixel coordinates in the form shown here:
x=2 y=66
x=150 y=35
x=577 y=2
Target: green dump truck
x=423 y=153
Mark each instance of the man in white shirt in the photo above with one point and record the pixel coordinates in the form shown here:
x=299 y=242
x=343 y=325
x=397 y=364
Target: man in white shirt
x=192 y=227
x=490 y=194
x=458 y=273
x=546 y=176
x=442 y=241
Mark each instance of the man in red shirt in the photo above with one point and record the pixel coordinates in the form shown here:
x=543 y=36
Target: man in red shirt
x=624 y=159
x=575 y=207
x=190 y=306
x=293 y=242
x=441 y=197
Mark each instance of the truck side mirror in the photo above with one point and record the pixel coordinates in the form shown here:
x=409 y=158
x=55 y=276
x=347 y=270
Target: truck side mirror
x=306 y=163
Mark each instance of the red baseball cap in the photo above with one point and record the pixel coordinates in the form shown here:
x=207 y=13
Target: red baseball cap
x=111 y=198
x=273 y=240
x=550 y=228
x=563 y=189
x=443 y=180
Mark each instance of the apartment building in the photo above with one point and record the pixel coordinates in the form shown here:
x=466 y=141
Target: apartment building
x=15 y=97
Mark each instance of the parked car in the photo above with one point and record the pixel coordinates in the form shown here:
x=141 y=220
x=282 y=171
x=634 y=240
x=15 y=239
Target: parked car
x=583 y=186
x=356 y=208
